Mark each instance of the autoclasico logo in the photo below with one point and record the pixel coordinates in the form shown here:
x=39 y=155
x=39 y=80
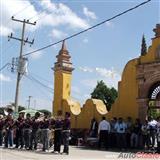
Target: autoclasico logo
x=139 y=155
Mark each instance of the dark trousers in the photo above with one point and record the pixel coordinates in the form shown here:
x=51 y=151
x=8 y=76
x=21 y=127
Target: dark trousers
x=34 y=139
x=152 y=138
x=112 y=140
x=1 y=137
x=103 y=139
x=8 y=138
x=57 y=140
x=27 y=137
x=128 y=140
x=45 y=139
x=121 y=140
x=19 y=138
x=66 y=135
x=158 y=147
x=145 y=141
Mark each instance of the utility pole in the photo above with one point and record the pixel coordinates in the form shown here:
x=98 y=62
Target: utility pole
x=21 y=58
x=29 y=101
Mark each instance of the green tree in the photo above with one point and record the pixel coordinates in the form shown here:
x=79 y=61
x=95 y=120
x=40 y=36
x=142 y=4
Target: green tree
x=106 y=94
x=20 y=108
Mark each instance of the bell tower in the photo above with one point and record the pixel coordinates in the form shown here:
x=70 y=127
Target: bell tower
x=62 y=78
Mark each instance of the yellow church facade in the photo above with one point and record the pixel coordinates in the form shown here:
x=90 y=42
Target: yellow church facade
x=139 y=85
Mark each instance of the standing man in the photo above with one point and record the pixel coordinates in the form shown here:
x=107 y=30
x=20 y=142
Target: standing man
x=27 y=131
x=120 y=128
x=45 y=132
x=103 y=131
x=19 y=130
x=34 y=133
x=158 y=135
x=1 y=129
x=58 y=132
x=9 y=123
x=66 y=132
x=128 y=131
x=93 y=128
x=152 y=126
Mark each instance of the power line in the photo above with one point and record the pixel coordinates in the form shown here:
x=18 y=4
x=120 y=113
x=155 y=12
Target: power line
x=4 y=66
x=42 y=91
x=38 y=76
x=76 y=34
x=23 y=9
x=38 y=14
x=40 y=83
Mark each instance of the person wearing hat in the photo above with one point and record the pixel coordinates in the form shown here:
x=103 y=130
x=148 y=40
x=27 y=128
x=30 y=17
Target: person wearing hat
x=66 y=132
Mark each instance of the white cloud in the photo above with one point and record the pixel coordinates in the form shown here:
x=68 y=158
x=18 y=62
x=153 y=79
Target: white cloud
x=86 y=69
x=109 y=24
x=61 y=15
x=36 y=55
x=85 y=40
x=109 y=76
x=8 y=9
x=4 y=31
x=106 y=73
x=57 y=34
x=89 y=13
x=4 y=78
x=55 y=14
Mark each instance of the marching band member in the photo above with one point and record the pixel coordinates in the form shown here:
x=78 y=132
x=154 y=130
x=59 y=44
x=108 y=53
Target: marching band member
x=19 y=130
x=1 y=129
x=45 y=132
x=27 y=131
x=34 y=133
x=66 y=132
x=9 y=123
x=58 y=132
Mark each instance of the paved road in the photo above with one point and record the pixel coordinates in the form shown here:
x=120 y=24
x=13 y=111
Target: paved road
x=75 y=154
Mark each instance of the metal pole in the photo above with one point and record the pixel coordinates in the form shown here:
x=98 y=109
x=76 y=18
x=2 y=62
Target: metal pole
x=29 y=101
x=19 y=74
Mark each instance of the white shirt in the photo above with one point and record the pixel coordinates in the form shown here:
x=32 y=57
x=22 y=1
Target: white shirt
x=120 y=127
x=104 y=126
x=153 y=123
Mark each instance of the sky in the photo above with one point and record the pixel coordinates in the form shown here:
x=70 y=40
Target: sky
x=99 y=54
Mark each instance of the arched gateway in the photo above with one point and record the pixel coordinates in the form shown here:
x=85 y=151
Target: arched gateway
x=154 y=98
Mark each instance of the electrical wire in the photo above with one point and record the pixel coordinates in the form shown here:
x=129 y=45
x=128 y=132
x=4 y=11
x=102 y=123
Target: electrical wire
x=4 y=66
x=38 y=14
x=42 y=91
x=40 y=77
x=23 y=9
x=90 y=28
x=40 y=83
